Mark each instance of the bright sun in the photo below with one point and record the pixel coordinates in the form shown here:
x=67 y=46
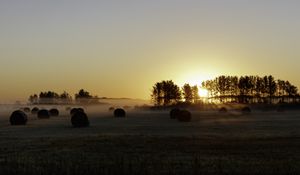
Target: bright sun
x=203 y=92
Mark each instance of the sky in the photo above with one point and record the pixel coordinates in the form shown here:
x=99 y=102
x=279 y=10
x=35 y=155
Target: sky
x=118 y=48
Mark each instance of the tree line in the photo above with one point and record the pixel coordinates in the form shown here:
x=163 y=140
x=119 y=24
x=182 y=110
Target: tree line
x=167 y=92
x=51 y=97
x=228 y=89
x=251 y=89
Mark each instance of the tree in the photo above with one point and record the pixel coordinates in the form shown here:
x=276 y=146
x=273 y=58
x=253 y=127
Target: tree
x=188 y=93
x=165 y=93
x=82 y=94
x=195 y=92
x=33 y=99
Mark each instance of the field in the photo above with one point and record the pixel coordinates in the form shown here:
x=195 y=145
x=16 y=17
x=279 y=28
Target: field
x=149 y=142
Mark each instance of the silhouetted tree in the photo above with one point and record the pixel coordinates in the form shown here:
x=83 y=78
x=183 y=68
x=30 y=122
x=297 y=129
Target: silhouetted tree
x=246 y=89
x=165 y=93
x=187 y=93
x=195 y=92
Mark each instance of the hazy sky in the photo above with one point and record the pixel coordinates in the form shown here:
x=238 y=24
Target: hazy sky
x=120 y=48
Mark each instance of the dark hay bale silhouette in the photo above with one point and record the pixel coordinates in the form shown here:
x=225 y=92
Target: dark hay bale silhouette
x=26 y=109
x=111 y=109
x=81 y=109
x=18 y=118
x=43 y=114
x=80 y=119
x=246 y=110
x=74 y=110
x=35 y=110
x=184 y=116
x=174 y=113
x=119 y=112
x=223 y=110
x=54 y=112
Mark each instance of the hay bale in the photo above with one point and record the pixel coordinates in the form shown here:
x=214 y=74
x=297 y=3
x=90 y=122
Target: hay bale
x=174 y=113
x=54 y=112
x=184 y=116
x=18 y=118
x=111 y=109
x=27 y=109
x=43 y=114
x=246 y=110
x=119 y=112
x=81 y=109
x=79 y=119
x=35 y=110
x=74 y=110
x=223 y=110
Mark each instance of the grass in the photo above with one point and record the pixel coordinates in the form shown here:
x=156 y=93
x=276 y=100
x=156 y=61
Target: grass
x=108 y=155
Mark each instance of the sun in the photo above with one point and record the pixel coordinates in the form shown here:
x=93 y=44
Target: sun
x=203 y=92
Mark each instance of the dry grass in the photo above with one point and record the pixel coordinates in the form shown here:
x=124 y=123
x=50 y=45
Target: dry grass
x=152 y=143
x=150 y=155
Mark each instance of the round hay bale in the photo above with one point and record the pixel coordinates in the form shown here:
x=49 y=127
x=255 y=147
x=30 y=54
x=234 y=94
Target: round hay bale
x=81 y=109
x=18 y=118
x=111 y=109
x=174 y=113
x=73 y=111
x=80 y=119
x=35 y=110
x=43 y=114
x=246 y=110
x=27 y=109
x=223 y=110
x=184 y=116
x=119 y=112
x=54 y=112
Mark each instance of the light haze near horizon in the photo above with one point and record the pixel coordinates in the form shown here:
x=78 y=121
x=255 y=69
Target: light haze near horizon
x=121 y=48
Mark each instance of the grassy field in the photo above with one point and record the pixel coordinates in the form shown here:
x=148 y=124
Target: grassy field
x=151 y=143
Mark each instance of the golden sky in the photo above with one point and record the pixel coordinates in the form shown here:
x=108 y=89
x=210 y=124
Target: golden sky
x=121 y=48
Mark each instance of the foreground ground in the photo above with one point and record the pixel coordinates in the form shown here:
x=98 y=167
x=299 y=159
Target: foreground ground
x=151 y=143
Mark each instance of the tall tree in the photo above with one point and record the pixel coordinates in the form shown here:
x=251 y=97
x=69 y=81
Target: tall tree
x=195 y=92
x=187 y=93
x=165 y=93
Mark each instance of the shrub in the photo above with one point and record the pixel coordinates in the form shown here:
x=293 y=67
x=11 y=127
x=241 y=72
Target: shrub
x=184 y=116
x=18 y=118
x=35 y=110
x=53 y=112
x=174 y=113
x=43 y=114
x=80 y=119
x=119 y=112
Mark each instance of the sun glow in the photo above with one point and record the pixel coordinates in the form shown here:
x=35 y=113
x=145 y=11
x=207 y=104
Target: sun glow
x=203 y=92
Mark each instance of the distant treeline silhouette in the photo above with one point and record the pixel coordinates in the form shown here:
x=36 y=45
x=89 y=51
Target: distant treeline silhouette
x=228 y=89
x=167 y=92
x=51 y=97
